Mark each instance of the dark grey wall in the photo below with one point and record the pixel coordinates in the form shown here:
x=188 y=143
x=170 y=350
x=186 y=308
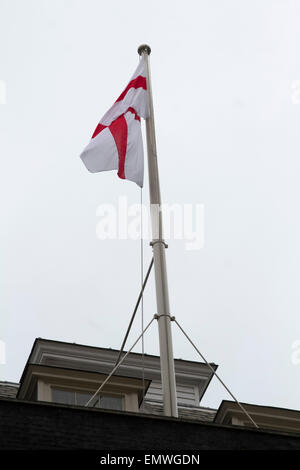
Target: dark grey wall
x=25 y=425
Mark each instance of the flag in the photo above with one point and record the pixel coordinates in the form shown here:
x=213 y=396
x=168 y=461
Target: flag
x=116 y=143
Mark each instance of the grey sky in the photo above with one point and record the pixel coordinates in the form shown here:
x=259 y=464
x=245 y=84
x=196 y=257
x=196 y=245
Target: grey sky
x=227 y=130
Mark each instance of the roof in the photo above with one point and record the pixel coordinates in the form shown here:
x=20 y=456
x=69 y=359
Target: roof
x=96 y=359
x=266 y=417
x=112 y=350
x=201 y=414
x=8 y=389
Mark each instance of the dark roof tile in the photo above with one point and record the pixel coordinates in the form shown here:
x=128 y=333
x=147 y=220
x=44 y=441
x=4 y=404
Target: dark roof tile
x=206 y=415
x=8 y=389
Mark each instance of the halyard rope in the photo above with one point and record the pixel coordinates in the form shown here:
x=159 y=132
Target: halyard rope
x=142 y=299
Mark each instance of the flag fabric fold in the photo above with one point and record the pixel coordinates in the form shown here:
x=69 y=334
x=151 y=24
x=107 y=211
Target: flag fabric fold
x=116 y=143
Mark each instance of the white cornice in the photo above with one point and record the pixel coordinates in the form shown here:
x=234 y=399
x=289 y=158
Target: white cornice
x=102 y=360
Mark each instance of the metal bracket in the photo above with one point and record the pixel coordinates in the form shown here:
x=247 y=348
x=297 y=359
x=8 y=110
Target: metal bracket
x=157 y=317
x=158 y=241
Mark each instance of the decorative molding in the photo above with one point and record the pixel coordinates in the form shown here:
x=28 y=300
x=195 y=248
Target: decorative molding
x=196 y=375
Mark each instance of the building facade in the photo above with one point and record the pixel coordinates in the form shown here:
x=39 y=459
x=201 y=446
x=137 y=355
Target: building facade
x=59 y=379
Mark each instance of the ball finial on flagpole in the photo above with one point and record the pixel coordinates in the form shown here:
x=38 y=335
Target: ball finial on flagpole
x=144 y=48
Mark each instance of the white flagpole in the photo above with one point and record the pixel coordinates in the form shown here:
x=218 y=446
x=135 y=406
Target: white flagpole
x=159 y=246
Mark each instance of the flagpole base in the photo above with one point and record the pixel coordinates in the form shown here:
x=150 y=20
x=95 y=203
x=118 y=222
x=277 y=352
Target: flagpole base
x=144 y=48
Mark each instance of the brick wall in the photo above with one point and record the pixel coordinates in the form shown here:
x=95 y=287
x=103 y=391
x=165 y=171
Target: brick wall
x=25 y=425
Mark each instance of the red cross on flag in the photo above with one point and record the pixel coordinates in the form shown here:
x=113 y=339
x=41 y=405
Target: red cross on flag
x=116 y=143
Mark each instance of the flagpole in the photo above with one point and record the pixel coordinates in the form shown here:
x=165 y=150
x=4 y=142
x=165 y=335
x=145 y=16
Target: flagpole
x=160 y=268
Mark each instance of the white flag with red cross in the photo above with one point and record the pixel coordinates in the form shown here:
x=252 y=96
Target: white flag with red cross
x=116 y=143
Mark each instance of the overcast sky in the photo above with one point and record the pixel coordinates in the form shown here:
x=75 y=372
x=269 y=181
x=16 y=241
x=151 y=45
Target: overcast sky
x=227 y=121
